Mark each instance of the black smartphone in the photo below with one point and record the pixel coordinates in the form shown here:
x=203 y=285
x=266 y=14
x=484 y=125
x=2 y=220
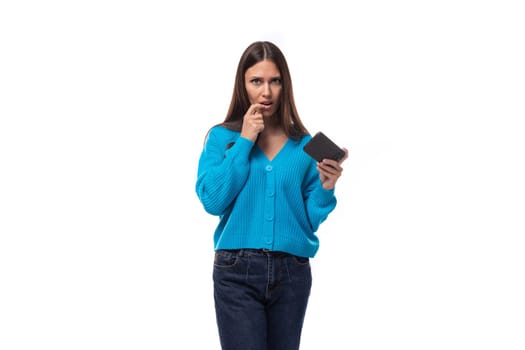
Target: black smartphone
x=321 y=147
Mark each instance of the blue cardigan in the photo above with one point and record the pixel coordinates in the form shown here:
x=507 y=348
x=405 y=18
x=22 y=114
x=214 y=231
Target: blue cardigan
x=276 y=205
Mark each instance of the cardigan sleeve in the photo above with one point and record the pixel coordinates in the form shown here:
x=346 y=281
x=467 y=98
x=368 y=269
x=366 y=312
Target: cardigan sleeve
x=319 y=202
x=222 y=170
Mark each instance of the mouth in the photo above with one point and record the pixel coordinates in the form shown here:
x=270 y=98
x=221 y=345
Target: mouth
x=267 y=105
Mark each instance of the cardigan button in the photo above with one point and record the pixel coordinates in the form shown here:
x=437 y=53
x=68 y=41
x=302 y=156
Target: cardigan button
x=269 y=168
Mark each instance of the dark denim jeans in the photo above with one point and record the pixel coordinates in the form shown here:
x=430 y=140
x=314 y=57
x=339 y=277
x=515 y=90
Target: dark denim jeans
x=260 y=299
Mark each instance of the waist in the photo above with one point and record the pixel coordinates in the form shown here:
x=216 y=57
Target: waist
x=252 y=251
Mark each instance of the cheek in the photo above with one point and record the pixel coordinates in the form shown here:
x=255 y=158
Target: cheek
x=250 y=94
x=277 y=94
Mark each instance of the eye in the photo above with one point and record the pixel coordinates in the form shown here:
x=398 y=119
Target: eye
x=255 y=81
x=276 y=81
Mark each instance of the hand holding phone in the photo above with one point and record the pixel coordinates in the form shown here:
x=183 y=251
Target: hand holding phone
x=321 y=147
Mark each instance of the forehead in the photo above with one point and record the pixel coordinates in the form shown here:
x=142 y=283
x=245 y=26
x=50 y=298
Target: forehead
x=263 y=68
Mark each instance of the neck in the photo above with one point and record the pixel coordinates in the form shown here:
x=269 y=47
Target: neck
x=272 y=124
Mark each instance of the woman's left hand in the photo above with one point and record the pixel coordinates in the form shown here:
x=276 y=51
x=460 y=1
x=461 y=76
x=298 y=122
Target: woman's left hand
x=330 y=171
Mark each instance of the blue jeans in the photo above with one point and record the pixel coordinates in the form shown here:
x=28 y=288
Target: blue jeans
x=260 y=298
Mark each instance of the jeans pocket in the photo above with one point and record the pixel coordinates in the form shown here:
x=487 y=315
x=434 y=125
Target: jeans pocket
x=224 y=259
x=302 y=261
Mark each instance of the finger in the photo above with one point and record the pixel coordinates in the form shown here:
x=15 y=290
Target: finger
x=257 y=108
x=252 y=109
x=331 y=163
x=328 y=170
x=345 y=156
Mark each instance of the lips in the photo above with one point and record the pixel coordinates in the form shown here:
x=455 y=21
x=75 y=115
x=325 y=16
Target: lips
x=267 y=105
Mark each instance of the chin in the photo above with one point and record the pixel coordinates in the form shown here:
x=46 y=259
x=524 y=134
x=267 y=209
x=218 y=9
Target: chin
x=268 y=113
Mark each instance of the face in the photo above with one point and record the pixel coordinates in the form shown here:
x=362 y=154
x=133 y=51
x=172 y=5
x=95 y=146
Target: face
x=263 y=85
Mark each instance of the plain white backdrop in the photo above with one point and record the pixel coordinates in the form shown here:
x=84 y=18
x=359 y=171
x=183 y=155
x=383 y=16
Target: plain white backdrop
x=104 y=106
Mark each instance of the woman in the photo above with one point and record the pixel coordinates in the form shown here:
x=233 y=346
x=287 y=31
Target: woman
x=271 y=198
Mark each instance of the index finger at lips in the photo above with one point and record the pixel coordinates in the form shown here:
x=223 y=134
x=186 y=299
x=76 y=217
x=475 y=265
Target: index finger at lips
x=256 y=107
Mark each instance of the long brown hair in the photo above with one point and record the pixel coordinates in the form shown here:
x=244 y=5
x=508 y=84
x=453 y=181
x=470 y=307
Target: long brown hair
x=287 y=112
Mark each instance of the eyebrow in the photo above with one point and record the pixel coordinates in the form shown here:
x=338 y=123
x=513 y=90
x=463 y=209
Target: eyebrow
x=259 y=77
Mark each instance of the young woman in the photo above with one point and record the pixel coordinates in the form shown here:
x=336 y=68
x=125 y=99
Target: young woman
x=271 y=198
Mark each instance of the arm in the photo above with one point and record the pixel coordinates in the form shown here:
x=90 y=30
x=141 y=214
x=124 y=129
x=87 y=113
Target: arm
x=319 y=203
x=320 y=198
x=221 y=172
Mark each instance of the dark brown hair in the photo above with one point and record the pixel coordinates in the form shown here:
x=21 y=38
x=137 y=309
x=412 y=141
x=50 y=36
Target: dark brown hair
x=287 y=112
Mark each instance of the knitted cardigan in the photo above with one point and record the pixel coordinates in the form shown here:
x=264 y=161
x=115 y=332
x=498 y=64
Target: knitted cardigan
x=273 y=204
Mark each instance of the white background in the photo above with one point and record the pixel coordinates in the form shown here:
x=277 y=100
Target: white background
x=104 y=106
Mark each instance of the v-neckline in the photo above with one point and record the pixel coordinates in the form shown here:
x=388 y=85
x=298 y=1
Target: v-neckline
x=276 y=154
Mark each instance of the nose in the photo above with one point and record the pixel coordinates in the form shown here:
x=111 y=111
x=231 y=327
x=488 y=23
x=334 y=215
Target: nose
x=267 y=91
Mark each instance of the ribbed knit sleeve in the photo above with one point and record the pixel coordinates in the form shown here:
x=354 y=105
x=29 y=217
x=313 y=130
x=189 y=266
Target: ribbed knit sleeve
x=319 y=202
x=223 y=169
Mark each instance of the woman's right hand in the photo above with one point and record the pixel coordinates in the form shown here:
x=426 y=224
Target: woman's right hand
x=253 y=122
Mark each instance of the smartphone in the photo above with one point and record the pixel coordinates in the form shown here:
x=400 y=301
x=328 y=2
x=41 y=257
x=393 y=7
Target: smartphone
x=321 y=147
